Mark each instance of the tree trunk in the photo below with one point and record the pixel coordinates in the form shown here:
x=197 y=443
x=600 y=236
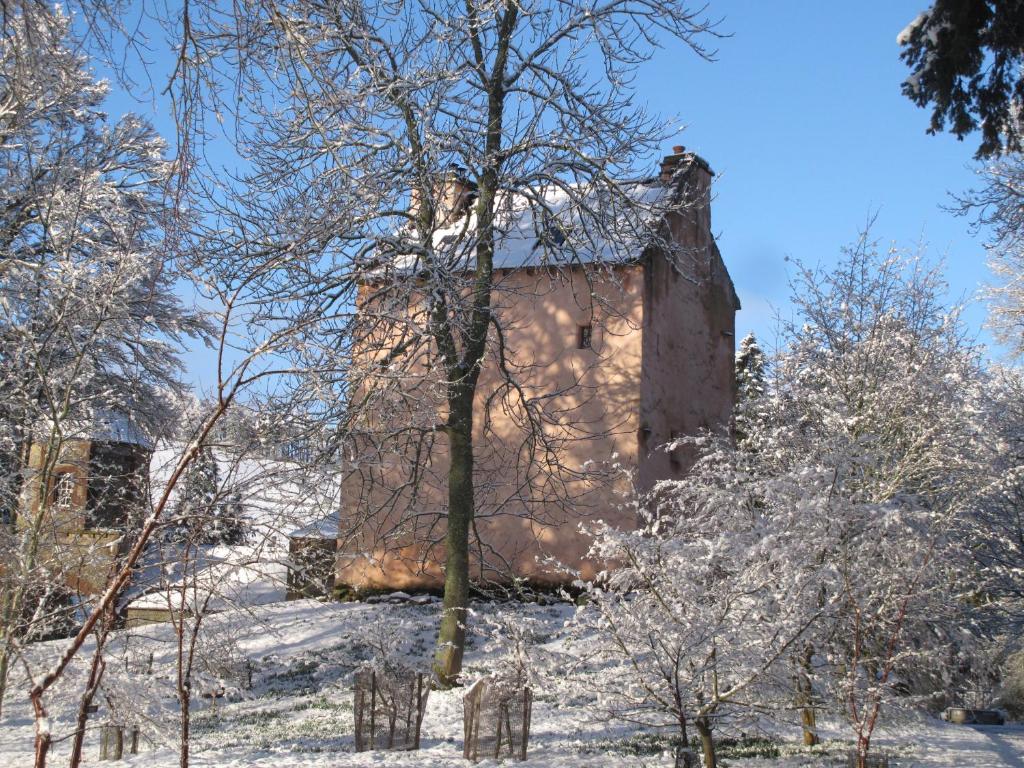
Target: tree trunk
x=3 y=673
x=186 y=719
x=681 y=720
x=95 y=676
x=805 y=698
x=43 y=736
x=863 y=743
x=451 y=639
x=10 y=602
x=684 y=756
x=706 y=742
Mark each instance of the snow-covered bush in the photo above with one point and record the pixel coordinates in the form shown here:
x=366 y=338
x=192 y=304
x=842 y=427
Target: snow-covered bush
x=1011 y=695
x=707 y=597
x=833 y=539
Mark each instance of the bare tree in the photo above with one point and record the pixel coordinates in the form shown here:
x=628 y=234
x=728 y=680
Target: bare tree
x=90 y=323
x=522 y=103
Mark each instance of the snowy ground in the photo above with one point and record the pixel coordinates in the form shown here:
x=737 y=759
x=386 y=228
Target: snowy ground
x=298 y=711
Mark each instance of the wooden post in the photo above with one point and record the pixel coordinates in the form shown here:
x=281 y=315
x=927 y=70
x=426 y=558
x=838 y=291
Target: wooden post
x=527 y=715
x=111 y=742
x=360 y=704
x=419 y=714
x=373 y=706
x=497 y=740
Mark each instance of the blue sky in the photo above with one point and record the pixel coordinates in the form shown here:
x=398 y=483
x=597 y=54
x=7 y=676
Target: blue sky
x=802 y=118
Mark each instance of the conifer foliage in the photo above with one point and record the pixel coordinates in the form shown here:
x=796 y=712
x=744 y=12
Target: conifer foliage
x=751 y=372
x=206 y=512
x=967 y=61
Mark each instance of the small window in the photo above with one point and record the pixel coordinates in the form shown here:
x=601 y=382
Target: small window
x=584 y=337
x=64 y=492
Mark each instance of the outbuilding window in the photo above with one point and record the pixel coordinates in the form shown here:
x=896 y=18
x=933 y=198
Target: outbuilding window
x=64 y=491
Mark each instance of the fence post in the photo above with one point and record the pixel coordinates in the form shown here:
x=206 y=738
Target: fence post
x=373 y=706
x=527 y=714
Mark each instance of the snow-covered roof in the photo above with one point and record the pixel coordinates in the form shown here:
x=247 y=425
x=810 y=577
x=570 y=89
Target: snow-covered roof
x=115 y=427
x=231 y=576
x=325 y=528
x=278 y=496
x=557 y=225
x=105 y=426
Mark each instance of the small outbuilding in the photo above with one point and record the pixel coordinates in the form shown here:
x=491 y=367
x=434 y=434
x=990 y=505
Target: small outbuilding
x=88 y=490
x=312 y=551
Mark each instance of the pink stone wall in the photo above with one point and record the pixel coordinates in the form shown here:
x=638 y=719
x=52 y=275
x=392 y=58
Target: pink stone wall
x=688 y=340
x=661 y=366
x=530 y=500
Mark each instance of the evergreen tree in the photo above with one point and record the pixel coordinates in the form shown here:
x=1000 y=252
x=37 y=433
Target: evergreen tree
x=750 y=368
x=229 y=525
x=967 y=61
x=197 y=500
x=750 y=383
x=205 y=512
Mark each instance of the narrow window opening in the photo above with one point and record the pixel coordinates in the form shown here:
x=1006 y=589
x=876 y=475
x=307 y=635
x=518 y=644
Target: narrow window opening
x=584 y=337
x=643 y=436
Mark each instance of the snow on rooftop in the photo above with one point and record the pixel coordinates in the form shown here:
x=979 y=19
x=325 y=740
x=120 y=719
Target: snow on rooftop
x=104 y=425
x=278 y=496
x=326 y=528
x=115 y=427
x=557 y=225
x=231 y=577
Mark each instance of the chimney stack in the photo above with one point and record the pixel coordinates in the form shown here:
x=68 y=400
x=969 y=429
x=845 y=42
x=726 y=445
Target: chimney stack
x=452 y=193
x=671 y=162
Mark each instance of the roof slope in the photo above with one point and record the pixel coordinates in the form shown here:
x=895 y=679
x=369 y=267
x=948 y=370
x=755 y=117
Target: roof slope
x=555 y=225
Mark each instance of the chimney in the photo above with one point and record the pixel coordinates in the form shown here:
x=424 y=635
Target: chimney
x=670 y=163
x=452 y=194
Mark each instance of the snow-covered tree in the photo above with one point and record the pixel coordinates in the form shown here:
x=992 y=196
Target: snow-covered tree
x=828 y=540
x=89 y=320
x=967 y=63
x=206 y=512
x=996 y=525
x=709 y=597
x=997 y=205
x=751 y=382
x=879 y=389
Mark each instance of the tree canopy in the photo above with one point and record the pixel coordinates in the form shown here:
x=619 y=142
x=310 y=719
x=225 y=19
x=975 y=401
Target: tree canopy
x=966 y=60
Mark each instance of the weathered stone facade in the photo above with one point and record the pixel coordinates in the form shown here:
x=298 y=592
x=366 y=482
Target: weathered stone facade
x=84 y=495
x=634 y=354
